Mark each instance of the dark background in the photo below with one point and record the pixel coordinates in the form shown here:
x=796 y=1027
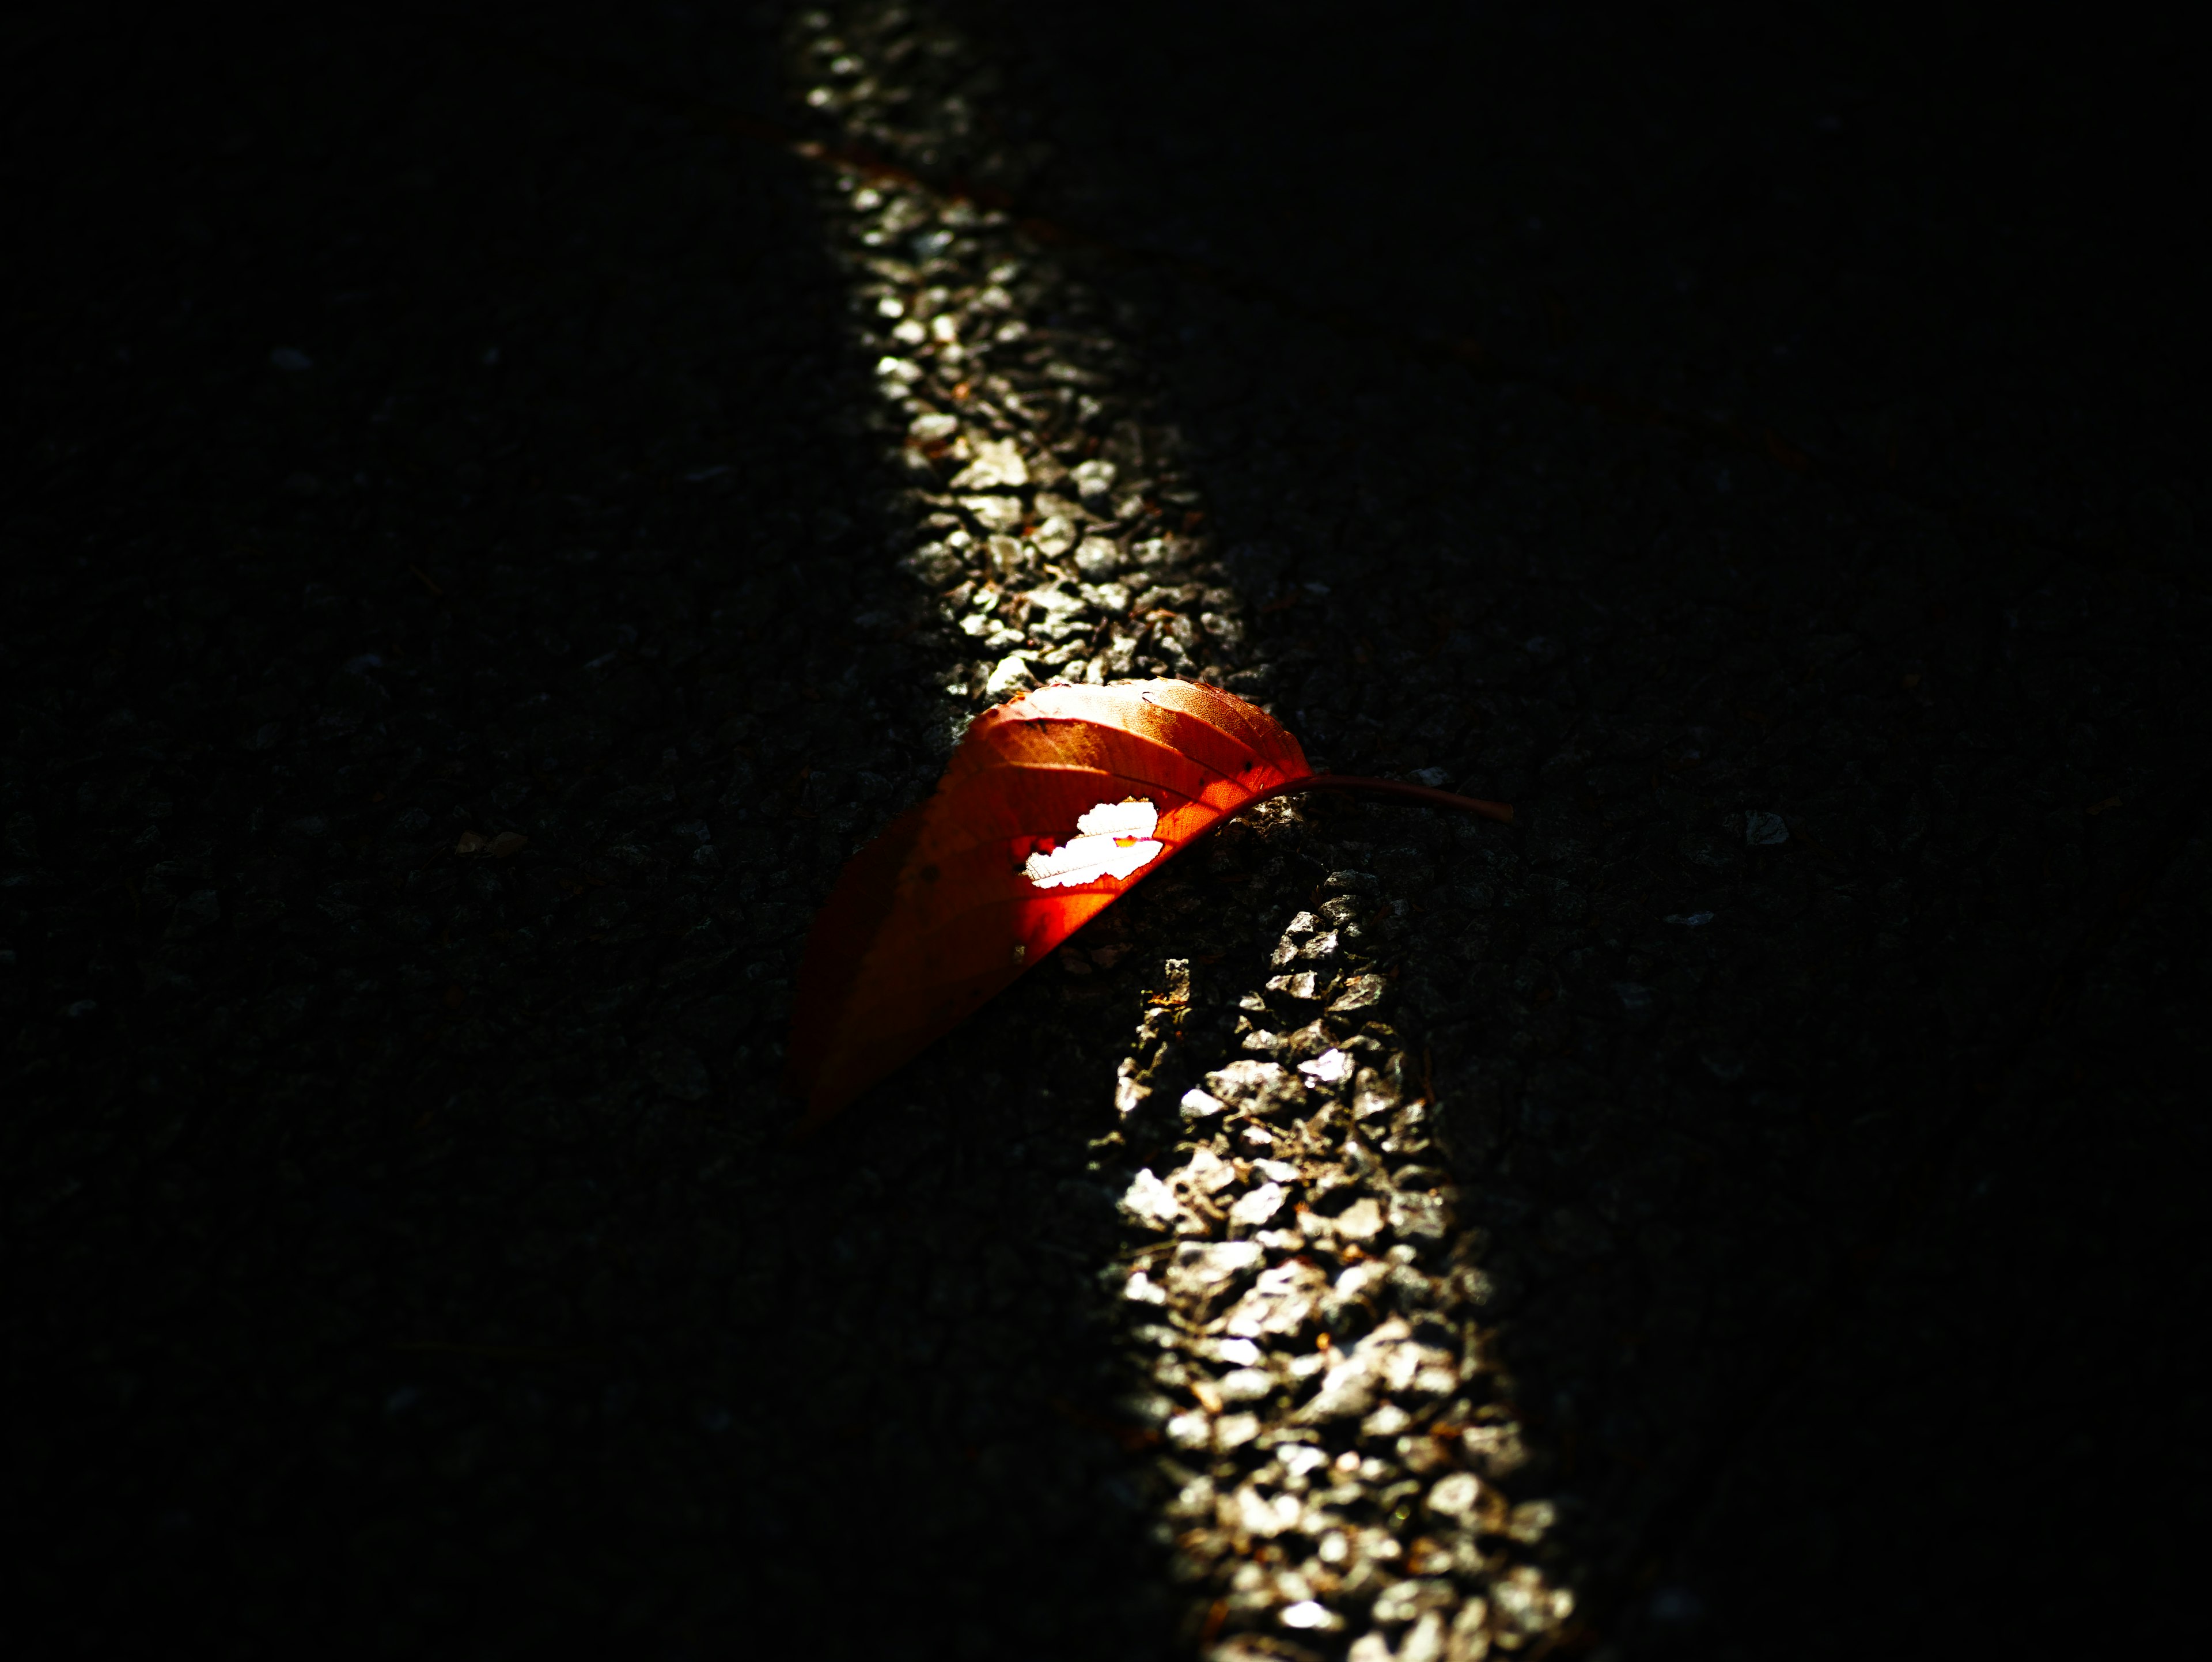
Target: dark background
x=402 y=1256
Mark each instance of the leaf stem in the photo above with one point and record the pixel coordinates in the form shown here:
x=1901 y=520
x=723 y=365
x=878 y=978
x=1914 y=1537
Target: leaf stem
x=1398 y=789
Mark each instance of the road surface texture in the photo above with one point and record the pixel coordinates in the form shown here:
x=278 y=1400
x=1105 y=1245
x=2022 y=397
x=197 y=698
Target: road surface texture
x=502 y=505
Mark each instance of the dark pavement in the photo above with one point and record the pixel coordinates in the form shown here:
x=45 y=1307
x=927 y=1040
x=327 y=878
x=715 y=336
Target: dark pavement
x=468 y=588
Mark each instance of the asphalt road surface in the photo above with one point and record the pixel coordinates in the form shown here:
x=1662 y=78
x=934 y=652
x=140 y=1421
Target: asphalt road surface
x=501 y=505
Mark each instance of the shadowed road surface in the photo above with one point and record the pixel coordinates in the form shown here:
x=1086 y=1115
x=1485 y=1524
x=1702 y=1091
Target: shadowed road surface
x=492 y=525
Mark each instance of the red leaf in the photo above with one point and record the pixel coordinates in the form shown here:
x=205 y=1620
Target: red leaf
x=958 y=898
x=1054 y=806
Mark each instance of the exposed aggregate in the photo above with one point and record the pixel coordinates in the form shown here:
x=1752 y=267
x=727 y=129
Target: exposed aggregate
x=1309 y=1340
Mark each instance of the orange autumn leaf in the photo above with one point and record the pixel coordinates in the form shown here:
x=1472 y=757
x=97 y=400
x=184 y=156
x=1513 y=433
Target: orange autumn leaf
x=1054 y=806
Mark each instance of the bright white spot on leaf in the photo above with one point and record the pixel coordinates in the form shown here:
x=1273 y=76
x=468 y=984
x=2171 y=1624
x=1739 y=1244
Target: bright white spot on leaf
x=1114 y=840
x=1129 y=819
